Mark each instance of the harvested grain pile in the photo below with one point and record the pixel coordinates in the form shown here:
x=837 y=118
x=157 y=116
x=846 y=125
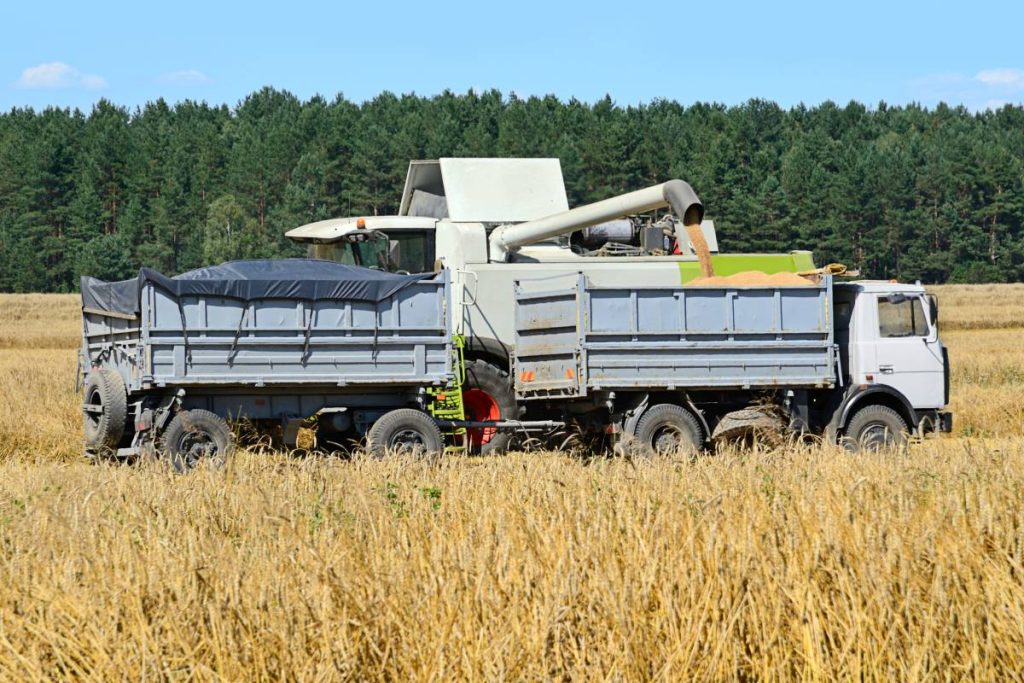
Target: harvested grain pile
x=754 y=278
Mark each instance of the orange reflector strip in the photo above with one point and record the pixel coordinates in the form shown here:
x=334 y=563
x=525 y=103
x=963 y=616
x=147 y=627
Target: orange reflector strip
x=570 y=373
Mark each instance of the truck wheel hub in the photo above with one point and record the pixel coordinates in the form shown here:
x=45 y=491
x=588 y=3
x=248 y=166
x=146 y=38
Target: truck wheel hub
x=876 y=436
x=407 y=439
x=667 y=439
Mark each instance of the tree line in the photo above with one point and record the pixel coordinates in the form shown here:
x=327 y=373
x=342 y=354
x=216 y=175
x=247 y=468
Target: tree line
x=906 y=192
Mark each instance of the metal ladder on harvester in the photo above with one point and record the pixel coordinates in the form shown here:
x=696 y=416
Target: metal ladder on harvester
x=446 y=403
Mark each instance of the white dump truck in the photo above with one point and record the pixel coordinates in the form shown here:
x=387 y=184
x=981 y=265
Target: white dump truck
x=503 y=228
x=668 y=368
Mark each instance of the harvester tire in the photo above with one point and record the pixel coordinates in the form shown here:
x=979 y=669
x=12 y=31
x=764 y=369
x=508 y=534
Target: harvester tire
x=404 y=431
x=194 y=437
x=668 y=429
x=104 y=410
x=488 y=395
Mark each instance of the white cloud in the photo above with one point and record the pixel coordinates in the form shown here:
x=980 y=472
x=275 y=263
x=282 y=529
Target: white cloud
x=58 y=75
x=186 y=77
x=987 y=89
x=1001 y=78
x=994 y=105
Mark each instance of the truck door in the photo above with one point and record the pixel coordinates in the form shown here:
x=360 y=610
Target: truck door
x=908 y=351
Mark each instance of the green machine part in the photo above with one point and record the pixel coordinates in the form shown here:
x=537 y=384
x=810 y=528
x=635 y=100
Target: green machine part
x=730 y=264
x=446 y=402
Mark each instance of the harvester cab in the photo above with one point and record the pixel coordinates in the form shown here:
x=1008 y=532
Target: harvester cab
x=460 y=196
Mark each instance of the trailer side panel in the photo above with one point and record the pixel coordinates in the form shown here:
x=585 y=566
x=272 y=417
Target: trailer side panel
x=574 y=340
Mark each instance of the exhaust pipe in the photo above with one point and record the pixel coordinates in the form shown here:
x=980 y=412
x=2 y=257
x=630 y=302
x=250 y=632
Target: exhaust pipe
x=675 y=193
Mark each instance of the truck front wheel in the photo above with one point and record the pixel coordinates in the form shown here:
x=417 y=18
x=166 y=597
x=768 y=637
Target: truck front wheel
x=666 y=428
x=875 y=428
x=487 y=395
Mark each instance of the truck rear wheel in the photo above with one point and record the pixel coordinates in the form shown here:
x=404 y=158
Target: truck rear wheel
x=104 y=410
x=487 y=395
x=404 y=431
x=666 y=428
x=194 y=437
x=875 y=428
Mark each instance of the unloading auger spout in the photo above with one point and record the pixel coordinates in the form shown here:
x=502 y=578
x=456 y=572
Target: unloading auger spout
x=676 y=194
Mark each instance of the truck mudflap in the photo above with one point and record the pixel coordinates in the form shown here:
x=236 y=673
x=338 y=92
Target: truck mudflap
x=934 y=422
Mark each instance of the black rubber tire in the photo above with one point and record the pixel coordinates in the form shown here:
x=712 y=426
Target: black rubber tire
x=103 y=430
x=875 y=428
x=194 y=437
x=667 y=429
x=404 y=431
x=486 y=377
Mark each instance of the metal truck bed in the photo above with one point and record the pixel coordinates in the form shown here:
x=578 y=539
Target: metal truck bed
x=201 y=339
x=573 y=339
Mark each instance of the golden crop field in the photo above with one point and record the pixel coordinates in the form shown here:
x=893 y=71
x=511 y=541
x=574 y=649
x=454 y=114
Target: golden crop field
x=797 y=563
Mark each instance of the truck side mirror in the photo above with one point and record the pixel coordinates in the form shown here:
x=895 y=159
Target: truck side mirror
x=933 y=309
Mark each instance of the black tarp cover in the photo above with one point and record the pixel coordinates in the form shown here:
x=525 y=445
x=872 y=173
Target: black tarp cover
x=297 y=278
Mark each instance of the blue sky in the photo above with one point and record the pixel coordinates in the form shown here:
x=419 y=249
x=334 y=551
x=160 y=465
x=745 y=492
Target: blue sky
x=72 y=54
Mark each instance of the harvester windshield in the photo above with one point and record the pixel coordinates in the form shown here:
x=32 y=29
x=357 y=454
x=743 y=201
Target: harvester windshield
x=401 y=251
x=370 y=253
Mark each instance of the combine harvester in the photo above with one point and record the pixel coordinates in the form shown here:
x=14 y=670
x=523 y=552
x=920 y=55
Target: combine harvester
x=598 y=318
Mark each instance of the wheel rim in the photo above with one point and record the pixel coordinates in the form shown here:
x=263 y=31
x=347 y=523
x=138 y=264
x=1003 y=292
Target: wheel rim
x=480 y=407
x=194 y=446
x=666 y=439
x=93 y=409
x=407 y=440
x=876 y=436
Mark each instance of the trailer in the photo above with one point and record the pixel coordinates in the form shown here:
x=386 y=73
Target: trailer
x=168 y=363
x=672 y=367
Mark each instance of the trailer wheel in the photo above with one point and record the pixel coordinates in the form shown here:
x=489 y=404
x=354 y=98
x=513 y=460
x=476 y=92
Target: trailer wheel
x=194 y=437
x=875 y=428
x=404 y=431
x=666 y=428
x=104 y=410
x=487 y=395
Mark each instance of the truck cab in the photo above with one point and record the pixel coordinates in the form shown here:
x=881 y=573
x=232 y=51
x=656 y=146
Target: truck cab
x=891 y=354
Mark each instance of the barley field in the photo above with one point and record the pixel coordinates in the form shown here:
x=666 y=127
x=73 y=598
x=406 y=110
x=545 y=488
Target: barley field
x=796 y=563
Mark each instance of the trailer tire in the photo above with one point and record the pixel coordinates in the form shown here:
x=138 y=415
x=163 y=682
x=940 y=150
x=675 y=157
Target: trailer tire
x=104 y=410
x=487 y=395
x=194 y=437
x=404 y=431
x=666 y=428
x=875 y=428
